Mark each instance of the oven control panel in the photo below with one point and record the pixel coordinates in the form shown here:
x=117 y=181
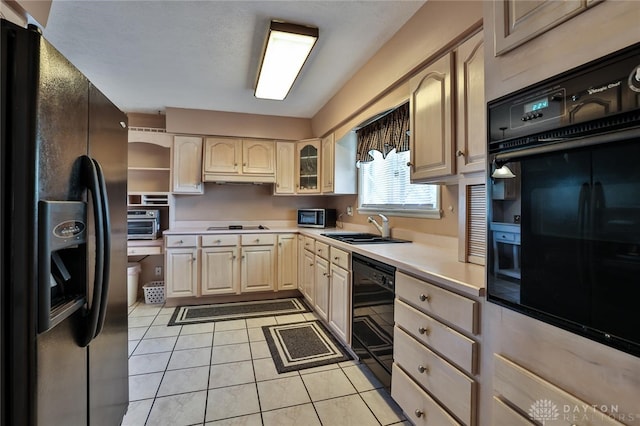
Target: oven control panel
x=596 y=90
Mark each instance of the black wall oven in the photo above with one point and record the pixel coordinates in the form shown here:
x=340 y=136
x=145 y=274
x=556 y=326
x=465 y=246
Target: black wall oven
x=564 y=215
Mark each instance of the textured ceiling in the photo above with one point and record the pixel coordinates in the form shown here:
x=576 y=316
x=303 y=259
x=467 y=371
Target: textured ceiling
x=148 y=55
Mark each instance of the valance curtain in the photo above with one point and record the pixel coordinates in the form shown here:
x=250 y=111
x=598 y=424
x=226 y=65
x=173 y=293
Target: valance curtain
x=384 y=134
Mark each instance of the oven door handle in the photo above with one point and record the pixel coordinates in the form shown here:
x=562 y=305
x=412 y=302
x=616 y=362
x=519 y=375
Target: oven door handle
x=568 y=143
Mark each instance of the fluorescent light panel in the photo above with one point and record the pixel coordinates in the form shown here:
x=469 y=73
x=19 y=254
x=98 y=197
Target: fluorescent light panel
x=288 y=47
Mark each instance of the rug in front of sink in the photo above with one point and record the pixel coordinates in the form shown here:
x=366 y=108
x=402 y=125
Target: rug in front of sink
x=237 y=310
x=302 y=345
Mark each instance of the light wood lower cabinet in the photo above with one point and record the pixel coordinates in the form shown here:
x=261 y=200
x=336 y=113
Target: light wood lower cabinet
x=225 y=264
x=322 y=287
x=220 y=272
x=503 y=415
x=181 y=271
x=340 y=302
x=541 y=399
x=287 y=262
x=420 y=408
x=308 y=281
x=453 y=388
x=435 y=358
x=257 y=262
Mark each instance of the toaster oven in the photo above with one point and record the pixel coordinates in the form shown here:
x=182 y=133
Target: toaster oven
x=143 y=224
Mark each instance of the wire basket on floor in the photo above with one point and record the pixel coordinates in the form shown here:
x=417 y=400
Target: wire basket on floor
x=153 y=292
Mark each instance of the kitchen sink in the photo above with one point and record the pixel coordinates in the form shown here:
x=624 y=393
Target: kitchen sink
x=362 y=238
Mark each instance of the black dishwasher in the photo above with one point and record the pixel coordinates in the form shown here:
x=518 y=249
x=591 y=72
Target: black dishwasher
x=372 y=296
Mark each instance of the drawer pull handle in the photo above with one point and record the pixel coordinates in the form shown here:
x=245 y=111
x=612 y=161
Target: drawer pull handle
x=419 y=413
x=218 y=241
x=257 y=240
x=425 y=297
x=423 y=369
x=336 y=258
x=180 y=242
x=424 y=330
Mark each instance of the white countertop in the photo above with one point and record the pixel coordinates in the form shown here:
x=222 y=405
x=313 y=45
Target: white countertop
x=434 y=258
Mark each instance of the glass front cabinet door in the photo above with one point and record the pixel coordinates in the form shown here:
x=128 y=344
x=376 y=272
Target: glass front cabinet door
x=308 y=166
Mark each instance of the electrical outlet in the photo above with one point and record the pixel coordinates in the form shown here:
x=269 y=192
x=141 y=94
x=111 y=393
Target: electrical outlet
x=349 y=211
x=158 y=271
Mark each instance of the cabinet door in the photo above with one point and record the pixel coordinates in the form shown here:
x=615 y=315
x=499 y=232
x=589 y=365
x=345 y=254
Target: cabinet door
x=307 y=167
x=309 y=277
x=328 y=164
x=220 y=274
x=339 y=310
x=287 y=262
x=257 y=269
x=222 y=155
x=471 y=124
x=258 y=157
x=322 y=287
x=181 y=272
x=517 y=22
x=285 y=168
x=187 y=165
x=431 y=122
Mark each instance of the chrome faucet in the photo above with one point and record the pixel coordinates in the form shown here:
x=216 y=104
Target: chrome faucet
x=384 y=228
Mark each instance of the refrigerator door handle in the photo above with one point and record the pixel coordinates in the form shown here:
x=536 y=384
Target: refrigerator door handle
x=90 y=173
x=106 y=229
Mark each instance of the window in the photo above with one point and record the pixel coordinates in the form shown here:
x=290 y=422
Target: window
x=384 y=187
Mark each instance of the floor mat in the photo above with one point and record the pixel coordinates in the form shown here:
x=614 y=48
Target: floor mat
x=303 y=345
x=237 y=310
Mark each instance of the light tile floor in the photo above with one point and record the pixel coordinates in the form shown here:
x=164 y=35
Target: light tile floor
x=222 y=374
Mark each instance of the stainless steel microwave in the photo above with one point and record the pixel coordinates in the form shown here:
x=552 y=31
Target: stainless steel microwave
x=317 y=218
x=143 y=224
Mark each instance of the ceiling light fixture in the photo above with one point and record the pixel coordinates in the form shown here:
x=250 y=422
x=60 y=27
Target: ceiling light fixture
x=287 y=49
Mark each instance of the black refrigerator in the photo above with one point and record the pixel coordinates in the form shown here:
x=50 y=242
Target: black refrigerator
x=63 y=183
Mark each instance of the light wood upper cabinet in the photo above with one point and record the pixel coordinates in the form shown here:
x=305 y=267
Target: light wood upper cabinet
x=517 y=21
x=258 y=157
x=431 y=121
x=470 y=120
x=222 y=156
x=328 y=163
x=187 y=165
x=338 y=159
x=238 y=160
x=285 y=168
x=308 y=166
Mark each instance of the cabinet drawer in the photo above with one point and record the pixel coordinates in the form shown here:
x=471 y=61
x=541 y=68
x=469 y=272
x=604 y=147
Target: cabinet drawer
x=453 y=308
x=506 y=237
x=322 y=250
x=258 y=239
x=219 y=240
x=340 y=258
x=455 y=347
x=450 y=386
x=419 y=407
x=310 y=244
x=143 y=250
x=181 y=240
x=503 y=415
x=524 y=390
